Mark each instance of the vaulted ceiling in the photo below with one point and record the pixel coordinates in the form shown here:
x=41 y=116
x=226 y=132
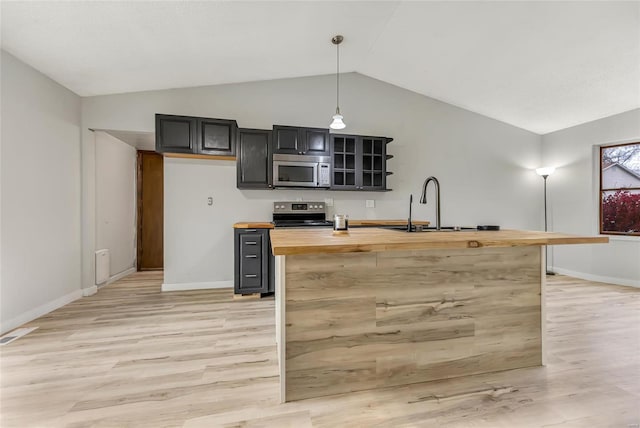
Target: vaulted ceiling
x=541 y=66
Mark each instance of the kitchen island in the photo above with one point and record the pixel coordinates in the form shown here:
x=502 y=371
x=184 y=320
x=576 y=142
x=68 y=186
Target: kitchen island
x=375 y=308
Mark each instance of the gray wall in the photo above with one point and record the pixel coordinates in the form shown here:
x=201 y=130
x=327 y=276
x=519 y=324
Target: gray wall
x=484 y=166
x=40 y=175
x=574 y=203
x=116 y=201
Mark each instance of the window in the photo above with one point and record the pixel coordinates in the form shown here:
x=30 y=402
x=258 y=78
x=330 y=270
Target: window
x=620 y=189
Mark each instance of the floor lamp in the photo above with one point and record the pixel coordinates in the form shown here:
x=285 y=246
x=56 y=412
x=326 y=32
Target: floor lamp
x=545 y=173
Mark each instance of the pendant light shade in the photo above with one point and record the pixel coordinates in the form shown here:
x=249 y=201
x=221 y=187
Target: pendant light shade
x=337 y=122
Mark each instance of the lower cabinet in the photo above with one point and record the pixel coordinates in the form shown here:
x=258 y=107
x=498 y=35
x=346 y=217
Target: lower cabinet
x=254 y=264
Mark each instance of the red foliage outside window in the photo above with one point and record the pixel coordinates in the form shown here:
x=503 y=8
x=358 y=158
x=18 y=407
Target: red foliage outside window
x=621 y=212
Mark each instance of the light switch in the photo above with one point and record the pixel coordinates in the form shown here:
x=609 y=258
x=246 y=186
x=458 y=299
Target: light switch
x=370 y=203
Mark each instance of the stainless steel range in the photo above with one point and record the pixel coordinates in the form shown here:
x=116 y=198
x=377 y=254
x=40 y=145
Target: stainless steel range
x=300 y=214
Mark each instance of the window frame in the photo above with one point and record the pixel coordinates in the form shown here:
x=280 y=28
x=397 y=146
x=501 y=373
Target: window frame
x=601 y=191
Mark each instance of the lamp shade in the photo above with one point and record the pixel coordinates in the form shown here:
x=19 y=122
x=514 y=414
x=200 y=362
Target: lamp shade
x=545 y=171
x=337 y=122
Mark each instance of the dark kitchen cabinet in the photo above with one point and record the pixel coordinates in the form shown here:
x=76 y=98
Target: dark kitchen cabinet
x=254 y=159
x=373 y=173
x=359 y=162
x=254 y=264
x=217 y=137
x=175 y=134
x=195 y=135
x=292 y=140
x=346 y=162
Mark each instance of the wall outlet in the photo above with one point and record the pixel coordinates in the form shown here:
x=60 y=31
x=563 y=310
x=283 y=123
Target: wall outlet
x=328 y=202
x=370 y=203
x=298 y=199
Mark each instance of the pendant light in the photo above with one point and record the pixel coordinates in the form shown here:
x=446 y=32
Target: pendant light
x=337 y=122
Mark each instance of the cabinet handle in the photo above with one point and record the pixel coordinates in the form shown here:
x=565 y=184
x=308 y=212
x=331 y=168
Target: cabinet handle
x=251 y=256
x=250 y=230
x=250 y=243
x=252 y=275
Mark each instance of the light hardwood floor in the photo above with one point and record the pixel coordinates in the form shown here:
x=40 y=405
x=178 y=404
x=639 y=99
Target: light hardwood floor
x=131 y=356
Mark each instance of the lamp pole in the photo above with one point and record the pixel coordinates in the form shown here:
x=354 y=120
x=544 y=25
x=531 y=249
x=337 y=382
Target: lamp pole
x=546 y=247
x=545 y=201
x=545 y=173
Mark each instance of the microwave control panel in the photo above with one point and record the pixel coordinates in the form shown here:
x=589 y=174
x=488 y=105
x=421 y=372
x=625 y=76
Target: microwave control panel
x=324 y=178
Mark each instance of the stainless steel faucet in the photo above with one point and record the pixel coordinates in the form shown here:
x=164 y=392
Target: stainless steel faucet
x=423 y=199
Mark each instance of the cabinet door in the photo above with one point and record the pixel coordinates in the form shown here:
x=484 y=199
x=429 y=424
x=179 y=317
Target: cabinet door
x=253 y=159
x=345 y=158
x=316 y=141
x=251 y=261
x=287 y=140
x=217 y=137
x=175 y=134
x=374 y=160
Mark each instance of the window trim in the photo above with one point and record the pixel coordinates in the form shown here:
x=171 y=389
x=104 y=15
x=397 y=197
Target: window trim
x=601 y=190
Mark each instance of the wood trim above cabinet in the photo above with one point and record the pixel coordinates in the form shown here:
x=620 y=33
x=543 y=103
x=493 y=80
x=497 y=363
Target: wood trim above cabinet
x=192 y=156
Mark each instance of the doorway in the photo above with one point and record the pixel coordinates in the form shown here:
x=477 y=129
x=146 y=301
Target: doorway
x=150 y=190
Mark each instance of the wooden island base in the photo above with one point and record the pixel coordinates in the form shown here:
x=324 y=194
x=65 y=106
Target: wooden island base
x=363 y=320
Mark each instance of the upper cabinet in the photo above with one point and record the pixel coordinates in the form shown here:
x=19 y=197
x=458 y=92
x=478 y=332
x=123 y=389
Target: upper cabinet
x=359 y=162
x=175 y=134
x=374 y=163
x=346 y=157
x=254 y=159
x=196 y=135
x=291 y=140
x=217 y=137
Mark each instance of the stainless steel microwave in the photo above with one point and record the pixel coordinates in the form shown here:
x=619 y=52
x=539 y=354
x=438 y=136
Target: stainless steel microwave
x=301 y=171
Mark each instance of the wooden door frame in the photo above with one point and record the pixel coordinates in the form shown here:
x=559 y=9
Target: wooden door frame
x=139 y=206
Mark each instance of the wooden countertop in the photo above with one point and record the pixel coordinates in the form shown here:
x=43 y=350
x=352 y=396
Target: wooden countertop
x=319 y=240
x=370 y=223
x=253 y=225
x=374 y=223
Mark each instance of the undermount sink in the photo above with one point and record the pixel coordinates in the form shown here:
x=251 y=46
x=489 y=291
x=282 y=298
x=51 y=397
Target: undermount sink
x=430 y=229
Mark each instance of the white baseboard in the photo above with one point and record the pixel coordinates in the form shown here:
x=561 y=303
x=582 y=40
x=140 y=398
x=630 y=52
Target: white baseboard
x=197 y=285
x=89 y=291
x=39 y=311
x=121 y=275
x=597 y=278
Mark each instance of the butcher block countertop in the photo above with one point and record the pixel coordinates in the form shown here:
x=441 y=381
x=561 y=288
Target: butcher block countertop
x=253 y=225
x=370 y=223
x=374 y=223
x=321 y=240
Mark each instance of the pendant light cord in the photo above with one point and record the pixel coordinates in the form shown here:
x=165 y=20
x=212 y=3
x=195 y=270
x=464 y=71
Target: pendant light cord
x=338 y=78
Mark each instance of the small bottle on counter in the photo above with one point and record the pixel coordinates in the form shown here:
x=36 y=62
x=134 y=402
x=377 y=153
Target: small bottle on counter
x=340 y=222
